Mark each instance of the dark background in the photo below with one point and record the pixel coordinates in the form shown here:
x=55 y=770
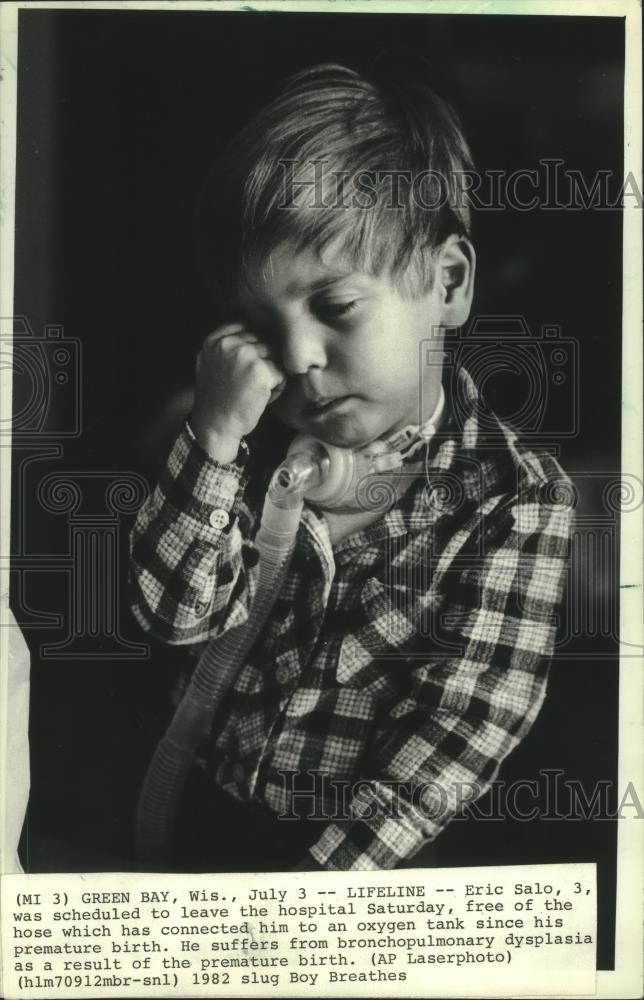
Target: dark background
x=119 y=115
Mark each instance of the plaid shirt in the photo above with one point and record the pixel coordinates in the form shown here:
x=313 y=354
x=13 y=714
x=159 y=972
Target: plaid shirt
x=404 y=663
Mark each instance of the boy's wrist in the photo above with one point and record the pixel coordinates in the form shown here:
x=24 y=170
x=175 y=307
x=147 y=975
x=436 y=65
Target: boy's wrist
x=221 y=446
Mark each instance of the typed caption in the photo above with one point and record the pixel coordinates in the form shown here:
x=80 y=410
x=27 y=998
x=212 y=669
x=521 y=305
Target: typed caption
x=421 y=933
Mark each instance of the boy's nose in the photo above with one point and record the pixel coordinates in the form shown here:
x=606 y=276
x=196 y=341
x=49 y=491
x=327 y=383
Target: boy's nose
x=302 y=348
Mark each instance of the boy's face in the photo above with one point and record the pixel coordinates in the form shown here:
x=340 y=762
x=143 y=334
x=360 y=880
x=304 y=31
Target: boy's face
x=349 y=344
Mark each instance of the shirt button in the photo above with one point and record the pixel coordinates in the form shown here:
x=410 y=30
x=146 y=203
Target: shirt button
x=219 y=518
x=200 y=608
x=238 y=773
x=282 y=674
x=228 y=487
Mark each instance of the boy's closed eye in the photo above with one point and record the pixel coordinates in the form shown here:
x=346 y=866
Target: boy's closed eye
x=327 y=310
x=335 y=309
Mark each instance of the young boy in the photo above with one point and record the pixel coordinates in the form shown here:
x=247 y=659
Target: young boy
x=406 y=653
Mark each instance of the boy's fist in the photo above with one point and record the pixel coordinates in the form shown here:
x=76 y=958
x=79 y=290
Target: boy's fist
x=235 y=381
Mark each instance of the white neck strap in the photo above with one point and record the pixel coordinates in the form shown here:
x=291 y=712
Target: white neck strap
x=413 y=437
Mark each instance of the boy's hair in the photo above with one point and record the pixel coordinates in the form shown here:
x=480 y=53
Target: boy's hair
x=337 y=157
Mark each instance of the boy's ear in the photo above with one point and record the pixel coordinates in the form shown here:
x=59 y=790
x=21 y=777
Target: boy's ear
x=456 y=267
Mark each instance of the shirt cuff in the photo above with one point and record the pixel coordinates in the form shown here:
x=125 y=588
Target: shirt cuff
x=197 y=495
x=389 y=832
x=360 y=846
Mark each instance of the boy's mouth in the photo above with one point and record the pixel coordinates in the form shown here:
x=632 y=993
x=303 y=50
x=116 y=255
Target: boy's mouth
x=325 y=404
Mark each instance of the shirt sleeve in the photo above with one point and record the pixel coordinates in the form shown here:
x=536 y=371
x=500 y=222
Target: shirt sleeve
x=192 y=567
x=461 y=715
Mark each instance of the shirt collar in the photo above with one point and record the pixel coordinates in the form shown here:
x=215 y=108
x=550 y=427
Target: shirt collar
x=475 y=447
x=465 y=461
x=470 y=456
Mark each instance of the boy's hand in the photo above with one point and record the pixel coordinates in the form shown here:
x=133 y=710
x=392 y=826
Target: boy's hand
x=235 y=381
